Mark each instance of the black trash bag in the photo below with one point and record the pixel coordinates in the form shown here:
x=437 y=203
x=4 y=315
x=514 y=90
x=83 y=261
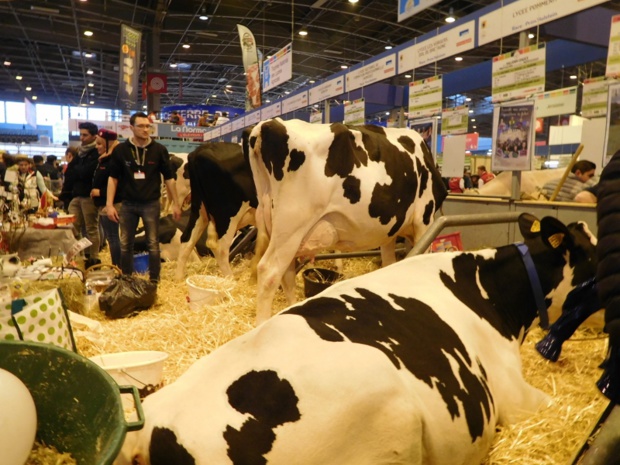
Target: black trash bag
x=126 y=296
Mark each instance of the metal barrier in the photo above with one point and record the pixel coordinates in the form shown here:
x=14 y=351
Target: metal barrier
x=459 y=220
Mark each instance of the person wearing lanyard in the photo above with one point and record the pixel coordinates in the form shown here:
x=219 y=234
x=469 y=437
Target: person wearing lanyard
x=139 y=164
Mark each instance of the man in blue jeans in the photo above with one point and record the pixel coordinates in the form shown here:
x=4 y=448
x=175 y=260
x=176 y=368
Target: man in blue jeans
x=139 y=164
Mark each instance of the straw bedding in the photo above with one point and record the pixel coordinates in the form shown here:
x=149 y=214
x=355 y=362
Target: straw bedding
x=552 y=436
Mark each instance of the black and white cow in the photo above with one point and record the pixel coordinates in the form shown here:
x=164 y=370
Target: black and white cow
x=223 y=200
x=323 y=186
x=416 y=363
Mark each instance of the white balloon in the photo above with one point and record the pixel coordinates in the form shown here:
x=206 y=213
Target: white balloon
x=18 y=419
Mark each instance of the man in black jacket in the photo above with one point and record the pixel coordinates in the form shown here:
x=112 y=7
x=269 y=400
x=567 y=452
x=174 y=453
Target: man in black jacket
x=82 y=206
x=139 y=164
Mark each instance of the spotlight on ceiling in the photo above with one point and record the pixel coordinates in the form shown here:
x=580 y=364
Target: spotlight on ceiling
x=303 y=32
x=88 y=55
x=34 y=97
x=353 y=1
x=343 y=66
x=92 y=102
x=213 y=96
x=573 y=76
x=531 y=35
x=186 y=46
x=450 y=18
x=88 y=33
x=389 y=47
x=458 y=58
x=173 y=65
x=311 y=81
x=407 y=76
x=28 y=89
x=203 y=14
x=90 y=71
x=7 y=63
x=18 y=77
x=90 y=84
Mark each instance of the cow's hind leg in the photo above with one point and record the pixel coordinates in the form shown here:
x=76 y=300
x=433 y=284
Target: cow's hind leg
x=196 y=227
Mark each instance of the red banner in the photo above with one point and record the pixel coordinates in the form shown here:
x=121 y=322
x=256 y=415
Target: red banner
x=156 y=83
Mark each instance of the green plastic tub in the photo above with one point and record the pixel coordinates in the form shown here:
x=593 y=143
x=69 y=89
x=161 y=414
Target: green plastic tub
x=79 y=408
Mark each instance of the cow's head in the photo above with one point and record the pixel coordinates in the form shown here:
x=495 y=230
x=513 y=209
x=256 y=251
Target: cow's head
x=564 y=256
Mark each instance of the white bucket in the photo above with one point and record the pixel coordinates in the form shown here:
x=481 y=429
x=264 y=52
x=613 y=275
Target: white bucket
x=143 y=369
x=207 y=290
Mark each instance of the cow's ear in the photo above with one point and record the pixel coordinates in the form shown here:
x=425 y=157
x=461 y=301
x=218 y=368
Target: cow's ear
x=529 y=226
x=555 y=234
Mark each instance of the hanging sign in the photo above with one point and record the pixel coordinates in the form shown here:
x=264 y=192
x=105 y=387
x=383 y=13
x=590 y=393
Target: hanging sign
x=594 y=98
x=295 y=102
x=452 y=42
x=238 y=123
x=354 y=112
x=408 y=8
x=454 y=120
x=613 y=51
x=278 y=68
x=325 y=90
x=372 y=72
x=518 y=74
x=129 y=66
x=156 y=83
x=251 y=66
x=557 y=102
x=316 y=117
x=526 y=14
x=252 y=118
x=425 y=97
x=271 y=111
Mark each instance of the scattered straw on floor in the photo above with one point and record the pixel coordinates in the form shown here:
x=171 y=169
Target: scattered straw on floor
x=550 y=437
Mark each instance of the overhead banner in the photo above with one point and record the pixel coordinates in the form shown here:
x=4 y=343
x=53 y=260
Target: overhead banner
x=613 y=52
x=454 y=120
x=295 y=102
x=251 y=67
x=129 y=67
x=513 y=127
x=526 y=14
x=557 y=102
x=271 y=111
x=408 y=8
x=452 y=42
x=354 y=112
x=594 y=98
x=425 y=97
x=372 y=72
x=278 y=68
x=519 y=74
x=325 y=90
x=316 y=117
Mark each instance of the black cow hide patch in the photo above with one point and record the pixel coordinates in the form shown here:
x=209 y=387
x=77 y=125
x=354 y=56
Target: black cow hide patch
x=413 y=337
x=270 y=402
x=165 y=449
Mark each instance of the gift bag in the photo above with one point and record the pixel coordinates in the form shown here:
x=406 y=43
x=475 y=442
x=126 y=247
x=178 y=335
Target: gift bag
x=127 y=295
x=40 y=317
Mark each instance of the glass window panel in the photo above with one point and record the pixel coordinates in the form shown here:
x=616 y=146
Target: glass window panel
x=16 y=112
x=47 y=115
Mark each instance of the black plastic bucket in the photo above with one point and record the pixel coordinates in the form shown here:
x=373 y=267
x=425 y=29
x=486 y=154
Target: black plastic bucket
x=318 y=279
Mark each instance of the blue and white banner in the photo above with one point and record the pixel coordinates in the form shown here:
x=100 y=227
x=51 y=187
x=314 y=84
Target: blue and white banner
x=278 y=68
x=408 y=8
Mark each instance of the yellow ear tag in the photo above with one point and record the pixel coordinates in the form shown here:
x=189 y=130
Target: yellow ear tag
x=535 y=227
x=556 y=240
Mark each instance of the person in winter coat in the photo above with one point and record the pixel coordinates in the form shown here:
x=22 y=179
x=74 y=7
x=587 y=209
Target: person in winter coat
x=106 y=142
x=608 y=270
x=82 y=205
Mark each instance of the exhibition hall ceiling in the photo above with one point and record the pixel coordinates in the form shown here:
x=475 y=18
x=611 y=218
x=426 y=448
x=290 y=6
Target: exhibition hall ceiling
x=44 y=42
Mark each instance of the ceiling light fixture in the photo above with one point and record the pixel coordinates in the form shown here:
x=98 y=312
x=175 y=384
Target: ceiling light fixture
x=471 y=111
x=389 y=47
x=7 y=63
x=203 y=14
x=573 y=76
x=311 y=81
x=28 y=89
x=92 y=102
x=213 y=96
x=90 y=84
x=450 y=18
x=186 y=45
x=408 y=76
x=88 y=55
x=531 y=35
x=228 y=86
x=34 y=97
x=88 y=33
x=353 y=1
x=18 y=77
x=468 y=99
x=267 y=101
x=303 y=32
x=90 y=71
x=173 y=65
x=343 y=66
x=458 y=58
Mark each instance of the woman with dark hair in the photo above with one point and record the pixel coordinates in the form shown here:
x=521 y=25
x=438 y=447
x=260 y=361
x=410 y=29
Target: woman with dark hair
x=66 y=193
x=106 y=142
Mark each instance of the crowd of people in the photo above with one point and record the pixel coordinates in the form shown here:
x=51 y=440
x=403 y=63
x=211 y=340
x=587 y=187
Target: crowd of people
x=109 y=186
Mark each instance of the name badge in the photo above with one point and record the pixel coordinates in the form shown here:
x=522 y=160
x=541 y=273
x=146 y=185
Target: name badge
x=139 y=175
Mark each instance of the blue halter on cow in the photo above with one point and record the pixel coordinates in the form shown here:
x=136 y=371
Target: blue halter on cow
x=415 y=363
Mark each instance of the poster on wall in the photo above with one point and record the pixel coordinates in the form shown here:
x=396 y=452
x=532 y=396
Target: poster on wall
x=513 y=127
x=612 y=138
x=427 y=128
x=518 y=74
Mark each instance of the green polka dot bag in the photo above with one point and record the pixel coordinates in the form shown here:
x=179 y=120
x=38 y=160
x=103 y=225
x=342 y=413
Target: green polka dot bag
x=40 y=317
